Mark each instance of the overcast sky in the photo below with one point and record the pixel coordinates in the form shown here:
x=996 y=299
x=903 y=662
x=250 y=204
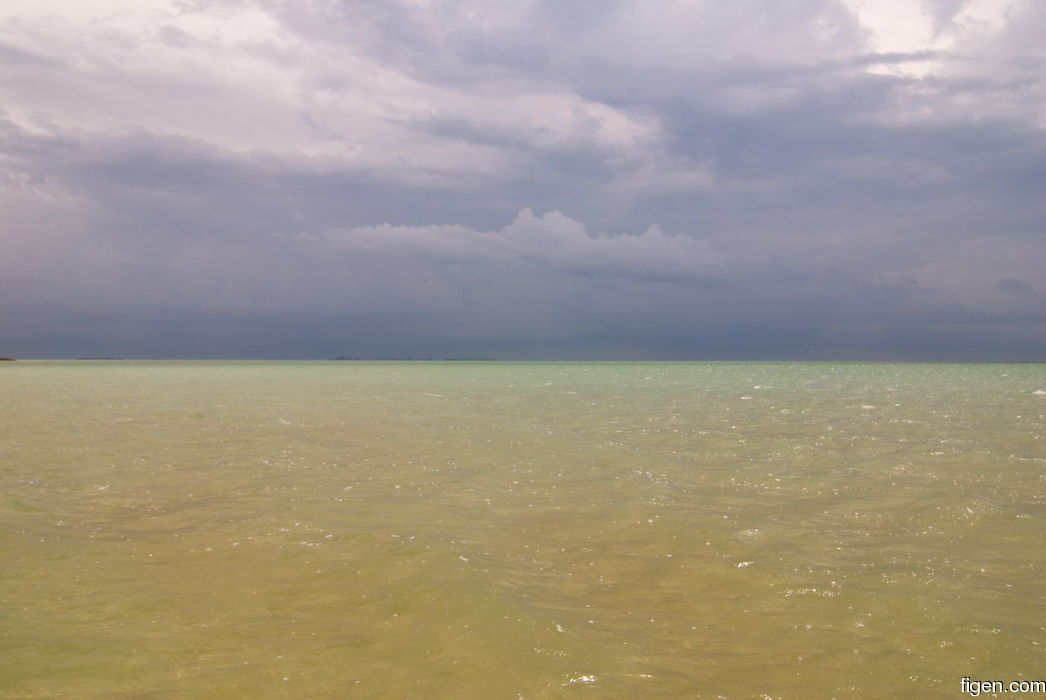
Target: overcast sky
x=603 y=179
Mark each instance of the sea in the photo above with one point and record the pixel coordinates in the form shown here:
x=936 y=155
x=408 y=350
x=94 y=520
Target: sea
x=471 y=529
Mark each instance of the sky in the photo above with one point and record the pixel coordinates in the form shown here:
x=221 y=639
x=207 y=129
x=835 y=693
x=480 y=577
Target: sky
x=608 y=179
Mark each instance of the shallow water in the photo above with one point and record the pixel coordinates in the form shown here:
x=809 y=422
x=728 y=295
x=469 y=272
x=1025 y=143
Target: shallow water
x=506 y=530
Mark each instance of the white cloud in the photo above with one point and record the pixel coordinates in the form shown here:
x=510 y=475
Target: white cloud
x=553 y=241
x=236 y=77
x=906 y=27
x=83 y=10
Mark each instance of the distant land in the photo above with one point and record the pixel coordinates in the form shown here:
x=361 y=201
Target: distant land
x=414 y=359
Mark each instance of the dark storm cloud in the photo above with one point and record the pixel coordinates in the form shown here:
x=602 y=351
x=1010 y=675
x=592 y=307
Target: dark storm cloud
x=614 y=179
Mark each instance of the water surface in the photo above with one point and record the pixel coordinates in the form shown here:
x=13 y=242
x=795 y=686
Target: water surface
x=506 y=530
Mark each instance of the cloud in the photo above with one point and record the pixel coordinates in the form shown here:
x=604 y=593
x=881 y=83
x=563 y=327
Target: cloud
x=1014 y=286
x=606 y=179
x=553 y=241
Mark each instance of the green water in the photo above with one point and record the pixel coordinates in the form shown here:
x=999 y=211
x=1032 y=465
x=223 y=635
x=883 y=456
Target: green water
x=507 y=530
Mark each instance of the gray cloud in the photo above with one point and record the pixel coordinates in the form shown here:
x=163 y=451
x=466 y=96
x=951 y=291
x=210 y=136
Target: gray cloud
x=534 y=180
x=1014 y=286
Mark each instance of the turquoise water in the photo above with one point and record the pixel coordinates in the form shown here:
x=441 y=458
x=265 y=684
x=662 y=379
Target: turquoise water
x=507 y=530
